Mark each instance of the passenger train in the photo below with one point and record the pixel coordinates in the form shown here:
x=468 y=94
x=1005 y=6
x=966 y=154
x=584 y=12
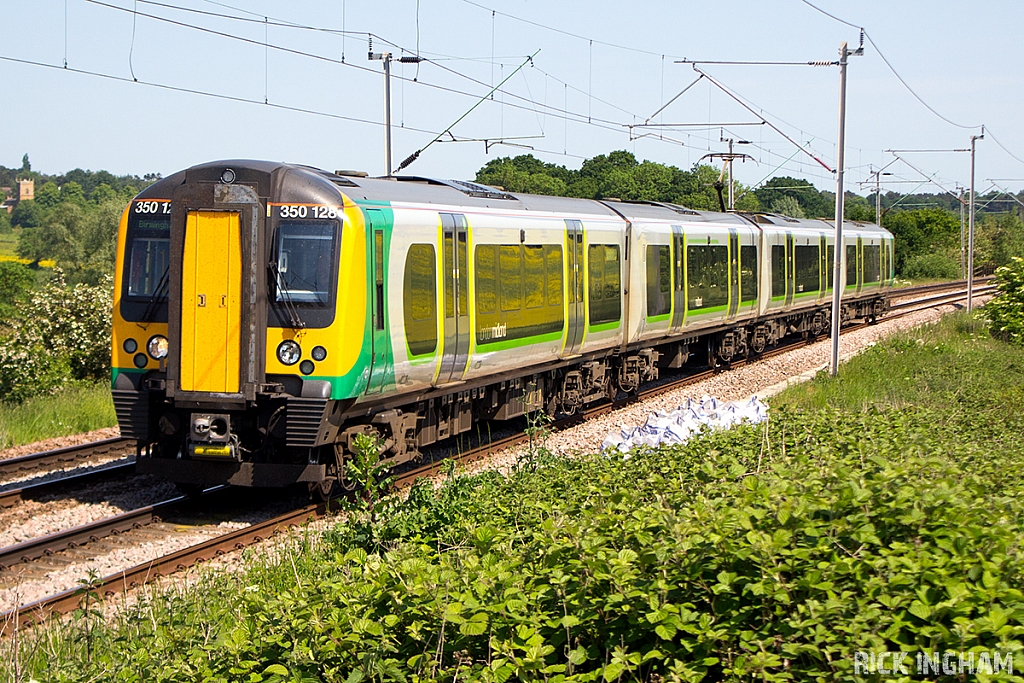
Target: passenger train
x=266 y=313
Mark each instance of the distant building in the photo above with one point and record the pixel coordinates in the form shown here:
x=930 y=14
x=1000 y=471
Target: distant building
x=26 y=190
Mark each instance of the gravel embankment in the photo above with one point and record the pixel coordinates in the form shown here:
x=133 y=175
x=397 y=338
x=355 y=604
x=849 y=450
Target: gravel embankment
x=16 y=588
x=61 y=511
x=60 y=442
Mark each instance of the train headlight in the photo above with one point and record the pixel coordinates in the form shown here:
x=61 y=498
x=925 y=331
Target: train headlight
x=157 y=346
x=319 y=353
x=289 y=352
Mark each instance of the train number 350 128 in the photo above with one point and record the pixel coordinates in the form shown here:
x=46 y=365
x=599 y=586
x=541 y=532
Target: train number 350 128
x=153 y=207
x=305 y=211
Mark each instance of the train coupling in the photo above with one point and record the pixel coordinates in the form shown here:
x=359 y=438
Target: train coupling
x=210 y=437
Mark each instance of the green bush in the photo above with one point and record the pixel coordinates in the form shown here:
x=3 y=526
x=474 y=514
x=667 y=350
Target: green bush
x=931 y=266
x=16 y=281
x=60 y=336
x=1006 y=311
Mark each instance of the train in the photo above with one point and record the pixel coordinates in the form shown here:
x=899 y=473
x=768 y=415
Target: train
x=266 y=314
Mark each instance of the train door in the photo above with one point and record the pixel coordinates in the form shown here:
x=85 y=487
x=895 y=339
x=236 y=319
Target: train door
x=577 y=320
x=211 y=303
x=734 y=272
x=823 y=267
x=790 y=269
x=381 y=362
x=860 y=264
x=455 y=237
x=883 y=264
x=679 y=272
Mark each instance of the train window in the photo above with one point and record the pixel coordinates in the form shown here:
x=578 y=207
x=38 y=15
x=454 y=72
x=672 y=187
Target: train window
x=659 y=280
x=830 y=264
x=528 y=282
x=486 y=283
x=808 y=268
x=421 y=299
x=553 y=268
x=872 y=263
x=778 y=270
x=149 y=258
x=707 y=270
x=304 y=272
x=892 y=264
x=533 y=267
x=748 y=273
x=851 y=265
x=604 y=290
x=511 y=278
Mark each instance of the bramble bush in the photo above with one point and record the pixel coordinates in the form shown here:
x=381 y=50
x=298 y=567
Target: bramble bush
x=60 y=336
x=1006 y=311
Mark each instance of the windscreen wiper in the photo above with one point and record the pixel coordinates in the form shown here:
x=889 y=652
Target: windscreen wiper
x=159 y=297
x=289 y=305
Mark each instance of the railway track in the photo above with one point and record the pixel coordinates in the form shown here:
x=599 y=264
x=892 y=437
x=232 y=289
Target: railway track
x=36 y=612
x=65 y=457
x=12 y=496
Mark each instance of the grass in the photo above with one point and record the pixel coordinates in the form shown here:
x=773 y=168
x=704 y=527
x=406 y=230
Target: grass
x=952 y=366
x=70 y=411
x=8 y=244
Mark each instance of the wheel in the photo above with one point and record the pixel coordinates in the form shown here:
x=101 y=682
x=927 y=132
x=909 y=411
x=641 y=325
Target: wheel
x=325 y=489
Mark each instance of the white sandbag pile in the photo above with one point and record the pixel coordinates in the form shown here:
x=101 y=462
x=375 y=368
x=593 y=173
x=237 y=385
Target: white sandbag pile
x=678 y=425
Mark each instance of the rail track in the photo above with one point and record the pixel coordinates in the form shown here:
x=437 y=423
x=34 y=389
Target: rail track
x=65 y=457
x=67 y=601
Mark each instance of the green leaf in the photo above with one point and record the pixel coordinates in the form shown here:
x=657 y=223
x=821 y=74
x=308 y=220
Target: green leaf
x=920 y=610
x=503 y=673
x=613 y=671
x=277 y=669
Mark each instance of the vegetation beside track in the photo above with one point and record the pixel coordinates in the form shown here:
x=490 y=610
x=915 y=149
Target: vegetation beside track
x=72 y=410
x=879 y=511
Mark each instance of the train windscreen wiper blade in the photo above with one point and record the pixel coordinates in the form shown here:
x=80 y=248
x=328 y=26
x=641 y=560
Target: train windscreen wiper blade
x=159 y=297
x=289 y=305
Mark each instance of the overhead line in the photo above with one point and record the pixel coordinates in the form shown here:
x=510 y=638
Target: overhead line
x=561 y=31
x=204 y=93
x=570 y=116
x=888 y=64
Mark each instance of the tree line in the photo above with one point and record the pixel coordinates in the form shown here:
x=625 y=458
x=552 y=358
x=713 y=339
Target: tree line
x=926 y=226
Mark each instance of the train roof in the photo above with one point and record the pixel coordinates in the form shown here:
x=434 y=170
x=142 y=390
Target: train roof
x=424 y=190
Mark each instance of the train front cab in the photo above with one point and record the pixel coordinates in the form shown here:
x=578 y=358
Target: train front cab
x=236 y=333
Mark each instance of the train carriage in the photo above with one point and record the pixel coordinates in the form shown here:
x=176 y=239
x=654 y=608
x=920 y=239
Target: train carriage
x=266 y=314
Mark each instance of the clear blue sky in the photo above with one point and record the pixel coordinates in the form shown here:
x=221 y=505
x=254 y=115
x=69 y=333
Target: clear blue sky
x=962 y=59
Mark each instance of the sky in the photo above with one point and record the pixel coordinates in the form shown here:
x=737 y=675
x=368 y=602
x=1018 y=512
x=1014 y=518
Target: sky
x=154 y=87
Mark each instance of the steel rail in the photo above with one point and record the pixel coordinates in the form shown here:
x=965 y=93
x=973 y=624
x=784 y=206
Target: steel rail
x=66 y=455
x=37 y=612
x=34 y=548
x=11 y=497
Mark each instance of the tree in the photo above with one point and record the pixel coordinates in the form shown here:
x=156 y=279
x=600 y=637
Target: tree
x=102 y=193
x=786 y=205
x=922 y=231
x=72 y=192
x=813 y=203
x=48 y=196
x=25 y=165
x=80 y=238
x=26 y=214
x=16 y=281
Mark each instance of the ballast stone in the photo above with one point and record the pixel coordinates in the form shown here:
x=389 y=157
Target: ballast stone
x=678 y=425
